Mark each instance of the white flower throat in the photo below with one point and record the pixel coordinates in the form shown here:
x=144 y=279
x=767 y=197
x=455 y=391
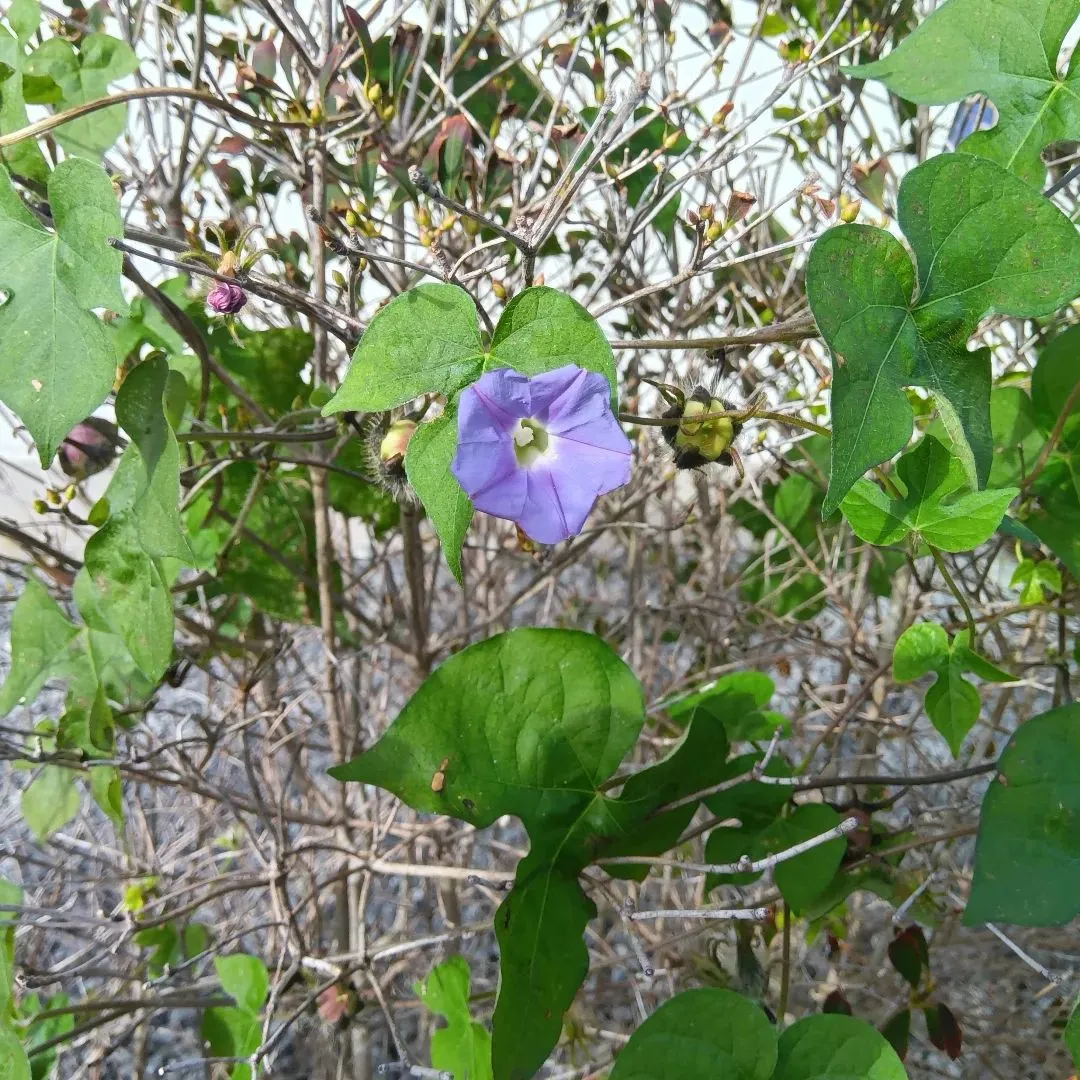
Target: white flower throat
x=531 y=442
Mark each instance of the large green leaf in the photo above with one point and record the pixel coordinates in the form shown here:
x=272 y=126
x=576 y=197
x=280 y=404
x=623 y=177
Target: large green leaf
x=528 y=723
x=1072 y=1035
x=1017 y=440
x=698 y=761
x=700 y=1035
x=425 y=340
x=50 y=801
x=983 y=241
x=463 y=1047
x=427 y=465
x=84 y=75
x=1056 y=518
x=930 y=510
x=832 y=1046
x=24 y=158
x=14 y=1064
x=540 y=928
x=1056 y=374
x=532 y=723
x=542 y=329
x=1027 y=856
x=801 y=879
x=1006 y=49
x=131 y=560
x=56 y=359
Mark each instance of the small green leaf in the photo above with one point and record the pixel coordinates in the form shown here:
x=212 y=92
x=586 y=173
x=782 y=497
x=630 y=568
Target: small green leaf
x=463 y=1047
x=1035 y=579
x=931 y=474
x=793 y=499
x=50 y=801
x=24 y=17
x=14 y=1064
x=108 y=793
x=41 y=637
x=772 y=25
x=11 y=896
x=698 y=761
x=56 y=358
x=1027 y=856
x=920 y=649
x=243 y=978
x=952 y=703
x=756 y=684
x=836 y=1047
x=542 y=329
x=164 y=942
x=969 y=660
x=24 y=158
x=801 y=879
x=961 y=215
x=427 y=465
x=131 y=560
x=85 y=76
x=1008 y=52
x=45 y=1030
x=425 y=340
x=232 y=1033
x=700 y=1034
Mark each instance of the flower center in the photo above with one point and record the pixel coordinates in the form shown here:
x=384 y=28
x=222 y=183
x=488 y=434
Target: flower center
x=531 y=442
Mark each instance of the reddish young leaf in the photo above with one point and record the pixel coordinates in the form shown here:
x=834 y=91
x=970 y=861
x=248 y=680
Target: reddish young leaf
x=897 y=1030
x=944 y=1029
x=264 y=59
x=837 y=1003
x=909 y=954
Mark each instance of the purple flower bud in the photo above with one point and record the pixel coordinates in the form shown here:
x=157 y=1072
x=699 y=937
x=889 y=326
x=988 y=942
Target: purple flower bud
x=226 y=298
x=88 y=448
x=540 y=450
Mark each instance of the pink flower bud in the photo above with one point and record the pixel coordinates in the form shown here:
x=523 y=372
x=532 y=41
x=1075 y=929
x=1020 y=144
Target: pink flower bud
x=226 y=298
x=88 y=448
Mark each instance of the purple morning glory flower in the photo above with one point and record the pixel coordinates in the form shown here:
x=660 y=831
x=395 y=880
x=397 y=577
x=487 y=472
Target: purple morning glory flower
x=540 y=449
x=226 y=298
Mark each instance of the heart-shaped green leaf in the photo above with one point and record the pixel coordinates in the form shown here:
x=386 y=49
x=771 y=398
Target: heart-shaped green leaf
x=424 y=341
x=427 y=465
x=56 y=359
x=700 y=1035
x=1027 y=856
x=836 y=1047
x=930 y=509
x=983 y=241
x=1009 y=51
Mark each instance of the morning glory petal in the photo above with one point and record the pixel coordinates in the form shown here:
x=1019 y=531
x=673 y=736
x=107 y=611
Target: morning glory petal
x=540 y=450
